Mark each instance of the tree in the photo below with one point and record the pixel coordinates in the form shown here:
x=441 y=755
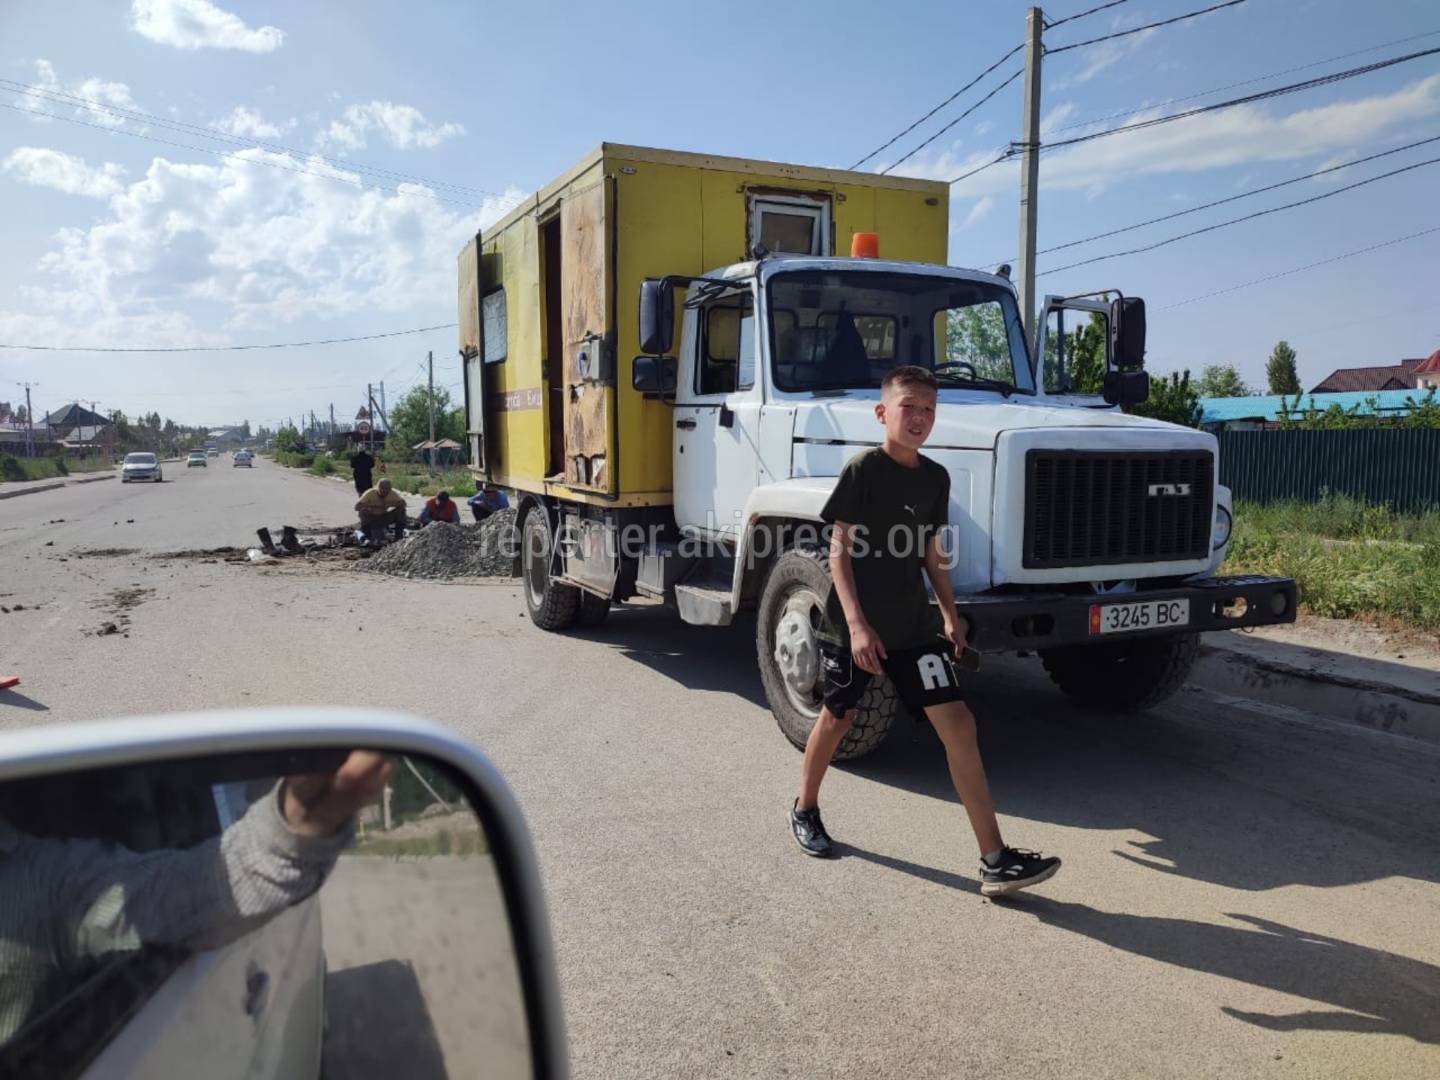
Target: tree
x=288 y=438
x=1221 y=381
x=1173 y=399
x=1084 y=359
x=410 y=420
x=1280 y=371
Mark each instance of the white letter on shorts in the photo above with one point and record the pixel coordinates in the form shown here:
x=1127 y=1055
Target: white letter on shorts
x=932 y=671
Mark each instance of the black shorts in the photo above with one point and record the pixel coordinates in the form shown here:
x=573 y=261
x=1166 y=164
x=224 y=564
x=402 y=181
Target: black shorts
x=923 y=675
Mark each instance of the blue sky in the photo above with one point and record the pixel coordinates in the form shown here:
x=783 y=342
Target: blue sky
x=114 y=235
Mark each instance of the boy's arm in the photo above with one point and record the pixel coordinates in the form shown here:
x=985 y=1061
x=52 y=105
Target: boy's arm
x=944 y=595
x=865 y=644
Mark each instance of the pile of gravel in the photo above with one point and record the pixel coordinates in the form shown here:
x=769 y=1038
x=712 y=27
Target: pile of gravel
x=441 y=551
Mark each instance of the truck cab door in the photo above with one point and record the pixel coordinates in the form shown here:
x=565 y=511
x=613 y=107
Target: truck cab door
x=1073 y=347
x=717 y=415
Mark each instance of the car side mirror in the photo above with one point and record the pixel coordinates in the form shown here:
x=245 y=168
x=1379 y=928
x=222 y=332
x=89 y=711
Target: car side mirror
x=361 y=884
x=1127 y=387
x=653 y=374
x=657 y=317
x=1127 y=330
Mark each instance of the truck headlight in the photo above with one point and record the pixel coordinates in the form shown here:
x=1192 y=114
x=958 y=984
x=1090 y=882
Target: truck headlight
x=1220 y=534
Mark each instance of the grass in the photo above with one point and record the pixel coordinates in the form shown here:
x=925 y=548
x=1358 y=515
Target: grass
x=408 y=477
x=1350 y=559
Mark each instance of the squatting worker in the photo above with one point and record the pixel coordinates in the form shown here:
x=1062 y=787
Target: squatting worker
x=887 y=513
x=363 y=466
x=486 y=500
x=380 y=506
x=440 y=507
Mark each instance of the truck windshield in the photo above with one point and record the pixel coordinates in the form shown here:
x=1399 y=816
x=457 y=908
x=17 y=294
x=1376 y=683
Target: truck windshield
x=834 y=330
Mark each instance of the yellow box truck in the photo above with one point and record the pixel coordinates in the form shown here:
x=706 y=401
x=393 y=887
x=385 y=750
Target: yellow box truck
x=680 y=452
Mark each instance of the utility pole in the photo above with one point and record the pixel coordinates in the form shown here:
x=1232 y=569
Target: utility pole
x=383 y=414
x=29 y=420
x=430 y=362
x=1030 y=171
x=370 y=418
x=332 y=420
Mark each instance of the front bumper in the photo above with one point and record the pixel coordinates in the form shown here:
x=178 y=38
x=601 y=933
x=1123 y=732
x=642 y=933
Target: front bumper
x=1007 y=622
x=151 y=474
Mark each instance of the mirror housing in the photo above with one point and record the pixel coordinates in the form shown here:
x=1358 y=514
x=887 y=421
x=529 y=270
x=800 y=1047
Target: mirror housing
x=653 y=374
x=1127 y=336
x=657 y=316
x=1127 y=387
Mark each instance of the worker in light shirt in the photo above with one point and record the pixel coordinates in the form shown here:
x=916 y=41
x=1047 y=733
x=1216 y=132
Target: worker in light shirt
x=379 y=507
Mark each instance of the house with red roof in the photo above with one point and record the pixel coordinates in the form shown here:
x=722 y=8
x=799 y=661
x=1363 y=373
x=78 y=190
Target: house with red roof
x=1406 y=375
x=1427 y=375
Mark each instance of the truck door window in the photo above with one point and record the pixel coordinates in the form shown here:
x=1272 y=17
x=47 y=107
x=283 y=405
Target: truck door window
x=1078 y=365
x=727 y=347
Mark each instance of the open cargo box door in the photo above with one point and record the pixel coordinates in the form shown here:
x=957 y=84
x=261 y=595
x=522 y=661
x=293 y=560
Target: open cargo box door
x=472 y=354
x=589 y=359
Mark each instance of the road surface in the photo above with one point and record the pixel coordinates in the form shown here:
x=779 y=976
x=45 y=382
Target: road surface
x=1245 y=893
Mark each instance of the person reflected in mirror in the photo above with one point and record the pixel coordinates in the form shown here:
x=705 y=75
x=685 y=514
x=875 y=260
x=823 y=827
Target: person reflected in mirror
x=487 y=500
x=381 y=508
x=67 y=903
x=362 y=468
x=440 y=507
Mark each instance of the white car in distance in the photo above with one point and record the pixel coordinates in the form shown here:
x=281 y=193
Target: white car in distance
x=244 y=457
x=141 y=467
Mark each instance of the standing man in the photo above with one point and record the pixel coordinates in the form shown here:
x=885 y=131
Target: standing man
x=363 y=466
x=379 y=507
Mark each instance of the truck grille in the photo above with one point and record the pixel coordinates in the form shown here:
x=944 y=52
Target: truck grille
x=1105 y=507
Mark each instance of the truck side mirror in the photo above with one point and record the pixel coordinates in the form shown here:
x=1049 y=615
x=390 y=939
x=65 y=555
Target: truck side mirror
x=653 y=374
x=1127 y=329
x=1127 y=387
x=657 y=317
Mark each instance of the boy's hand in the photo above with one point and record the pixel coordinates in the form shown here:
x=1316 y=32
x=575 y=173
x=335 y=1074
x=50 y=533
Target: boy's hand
x=866 y=648
x=955 y=634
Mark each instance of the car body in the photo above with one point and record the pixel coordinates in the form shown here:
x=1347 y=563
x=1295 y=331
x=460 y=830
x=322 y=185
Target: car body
x=244 y=457
x=196 y=457
x=212 y=452
x=141 y=466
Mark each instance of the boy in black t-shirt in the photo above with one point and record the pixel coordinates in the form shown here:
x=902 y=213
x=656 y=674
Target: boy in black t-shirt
x=886 y=513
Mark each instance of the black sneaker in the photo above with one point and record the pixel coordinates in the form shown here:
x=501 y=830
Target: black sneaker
x=1016 y=870
x=810 y=832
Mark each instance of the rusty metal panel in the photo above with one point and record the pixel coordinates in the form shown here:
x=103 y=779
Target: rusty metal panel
x=469 y=301
x=589 y=344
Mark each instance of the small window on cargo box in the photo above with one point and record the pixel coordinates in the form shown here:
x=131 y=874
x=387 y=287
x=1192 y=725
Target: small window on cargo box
x=493 y=307
x=727 y=347
x=790 y=224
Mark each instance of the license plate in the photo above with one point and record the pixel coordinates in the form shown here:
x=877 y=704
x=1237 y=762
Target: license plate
x=1145 y=615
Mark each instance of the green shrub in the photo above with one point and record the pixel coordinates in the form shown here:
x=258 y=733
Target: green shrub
x=322 y=466
x=11 y=469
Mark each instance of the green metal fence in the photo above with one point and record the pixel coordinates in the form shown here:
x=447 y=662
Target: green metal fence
x=1399 y=466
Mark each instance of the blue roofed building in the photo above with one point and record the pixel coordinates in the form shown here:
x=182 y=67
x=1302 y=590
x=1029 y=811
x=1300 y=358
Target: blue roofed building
x=1240 y=413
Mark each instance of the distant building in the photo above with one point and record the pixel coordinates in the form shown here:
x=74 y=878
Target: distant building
x=1252 y=413
x=80 y=430
x=1427 y=375
x=1399 y=376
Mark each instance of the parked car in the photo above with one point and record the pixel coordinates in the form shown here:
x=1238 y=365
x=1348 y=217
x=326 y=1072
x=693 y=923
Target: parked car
x=244 y=457
x=197 y=457
x=141 y=467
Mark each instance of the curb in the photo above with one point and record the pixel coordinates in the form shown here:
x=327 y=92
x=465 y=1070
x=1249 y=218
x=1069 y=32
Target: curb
x=91 y=479
x=1398 y=710
x=31 y=491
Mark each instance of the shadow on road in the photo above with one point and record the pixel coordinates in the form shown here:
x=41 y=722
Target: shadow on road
x=17 y=700
x=379 y=1024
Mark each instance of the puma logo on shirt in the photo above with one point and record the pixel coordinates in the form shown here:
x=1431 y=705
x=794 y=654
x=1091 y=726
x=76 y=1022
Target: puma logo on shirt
x=910 y=508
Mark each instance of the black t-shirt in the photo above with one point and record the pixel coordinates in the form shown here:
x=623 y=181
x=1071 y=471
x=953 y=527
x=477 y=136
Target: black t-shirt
x=362 y=465
x=895 y=510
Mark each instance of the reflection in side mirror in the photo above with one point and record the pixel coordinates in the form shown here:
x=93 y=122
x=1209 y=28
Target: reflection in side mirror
x=1127 y=387
x=269 y=911
x=1127 y=327
x=657 y=317
x=653 y=374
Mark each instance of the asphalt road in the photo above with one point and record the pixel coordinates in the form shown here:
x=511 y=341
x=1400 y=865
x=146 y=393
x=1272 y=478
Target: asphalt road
x=1245 y=892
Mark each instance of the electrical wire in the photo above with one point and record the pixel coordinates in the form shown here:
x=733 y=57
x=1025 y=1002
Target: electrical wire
x=229 y=348
x=1279 y=91
x=952 y=123
x=1004 y=156
x=1082 y=14
x=1239 y=220
x=1147 y=26
x=61 y=97
x=1301 y=269
x=937 y=108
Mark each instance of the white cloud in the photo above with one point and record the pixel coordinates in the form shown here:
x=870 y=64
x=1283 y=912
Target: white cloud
x=63 y=172
x=249 y=124
x=87 y=99
x=199 y=24
x=265 y=246
x=979 y=211
x=403 y=126
x=1057 y=116
x=1106 y=55
x=984 y=128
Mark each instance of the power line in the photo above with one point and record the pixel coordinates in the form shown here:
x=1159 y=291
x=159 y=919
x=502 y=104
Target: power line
x=1004 y=156
x=1244 y=82
x=1239 y=220
x=1301 y=269
x=937 y=108
x=1139 y=29
x=1279 y=91
x=60 y=96
x=1014 y=75
x=1229 y=199
x=1082 y=14
x=229 y=348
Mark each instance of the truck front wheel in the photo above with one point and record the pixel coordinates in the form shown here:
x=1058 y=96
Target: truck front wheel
x=1122 y=676
x=790 y=610
x=552 y=605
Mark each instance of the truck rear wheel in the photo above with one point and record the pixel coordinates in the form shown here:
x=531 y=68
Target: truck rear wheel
x=1122 y=676
x=552 y=605
x=791 y=606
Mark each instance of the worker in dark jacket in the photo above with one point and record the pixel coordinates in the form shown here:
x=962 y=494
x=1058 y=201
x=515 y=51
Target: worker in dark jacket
x=440 y=507
x=363 y=466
